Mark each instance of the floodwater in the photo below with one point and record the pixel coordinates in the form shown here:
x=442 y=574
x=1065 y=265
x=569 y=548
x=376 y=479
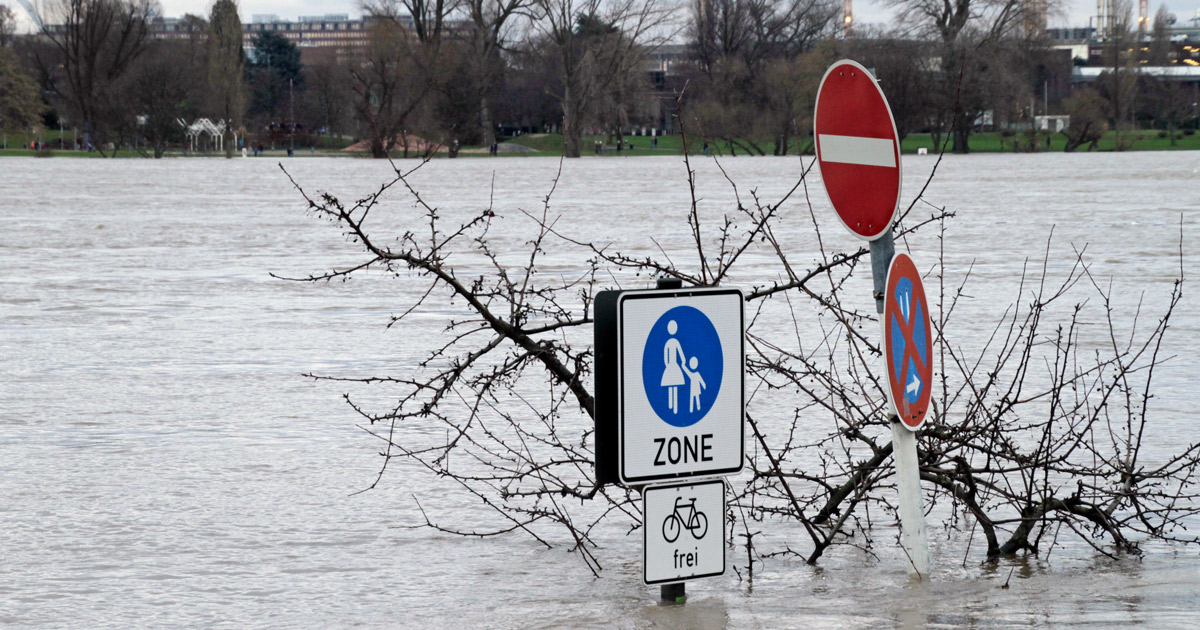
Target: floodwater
x=163 y=462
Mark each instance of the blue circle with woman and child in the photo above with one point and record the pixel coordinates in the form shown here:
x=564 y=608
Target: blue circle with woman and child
x=682 y=365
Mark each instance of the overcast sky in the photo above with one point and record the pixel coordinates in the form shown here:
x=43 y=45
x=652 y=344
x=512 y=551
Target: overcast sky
x=865 y=11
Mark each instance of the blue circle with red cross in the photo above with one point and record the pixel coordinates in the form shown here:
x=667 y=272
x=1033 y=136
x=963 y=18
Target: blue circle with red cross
x=904 y=367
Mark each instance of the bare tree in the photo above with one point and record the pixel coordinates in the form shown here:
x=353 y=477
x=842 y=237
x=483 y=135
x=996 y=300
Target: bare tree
x=428 y=18
x=227 y=68
x=388 y=86
x=903 y=70
x=97 y=41
x=756 y=31
x=1089 y=116
x=1036 y=431
x=162 y=86
x=20 y=102
x=1160 y=38
x=1118 y=83
x=1170 y=102
x=968 y=32
x=754 y=78
x=590 y=45
x=8 y=25
x=492 y=24
x=328 y=82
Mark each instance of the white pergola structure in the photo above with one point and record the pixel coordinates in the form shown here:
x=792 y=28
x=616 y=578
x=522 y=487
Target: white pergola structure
x=204 y=126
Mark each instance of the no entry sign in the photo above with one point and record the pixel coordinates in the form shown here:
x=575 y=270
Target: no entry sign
x=858 y=149
x=908 y=342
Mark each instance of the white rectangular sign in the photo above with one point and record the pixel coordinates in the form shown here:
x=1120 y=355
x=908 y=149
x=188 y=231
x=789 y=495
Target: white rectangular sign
x=857 y=150
x=684 y=531
x=680 y=384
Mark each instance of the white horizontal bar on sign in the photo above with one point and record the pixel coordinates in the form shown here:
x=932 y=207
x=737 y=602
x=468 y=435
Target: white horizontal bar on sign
x=858 y=150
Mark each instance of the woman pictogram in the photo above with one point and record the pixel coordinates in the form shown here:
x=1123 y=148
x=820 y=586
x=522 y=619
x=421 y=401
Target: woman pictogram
x=672 y=376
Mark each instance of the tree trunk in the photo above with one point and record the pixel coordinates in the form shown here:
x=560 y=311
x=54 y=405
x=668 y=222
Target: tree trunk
x=571 y=131
x=485 y=123
x=228 y=141
x=962 y=130
x=377 y=149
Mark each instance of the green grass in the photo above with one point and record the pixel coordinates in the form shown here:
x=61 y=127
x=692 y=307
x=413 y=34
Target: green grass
x=993 y=142
x=18 y=144
x=551 y=145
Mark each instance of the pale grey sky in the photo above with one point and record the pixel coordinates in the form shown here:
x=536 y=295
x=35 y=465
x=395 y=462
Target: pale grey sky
x=865 y=11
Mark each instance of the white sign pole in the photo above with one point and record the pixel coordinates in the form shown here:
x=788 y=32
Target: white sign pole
x=913 y=536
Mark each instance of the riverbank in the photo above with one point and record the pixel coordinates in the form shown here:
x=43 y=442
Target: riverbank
x=541 y=145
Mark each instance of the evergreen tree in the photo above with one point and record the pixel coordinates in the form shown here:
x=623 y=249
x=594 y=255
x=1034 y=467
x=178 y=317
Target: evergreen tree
x=274 y=70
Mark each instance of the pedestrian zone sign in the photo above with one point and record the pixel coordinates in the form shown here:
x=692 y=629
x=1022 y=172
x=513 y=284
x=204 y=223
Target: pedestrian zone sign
x=683 y=531
x=680 y=386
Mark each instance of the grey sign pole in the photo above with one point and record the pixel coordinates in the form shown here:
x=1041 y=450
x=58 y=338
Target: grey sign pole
x=913 y=537
x=671 y=593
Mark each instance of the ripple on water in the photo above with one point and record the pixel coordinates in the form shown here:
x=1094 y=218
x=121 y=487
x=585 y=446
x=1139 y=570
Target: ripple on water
x=165 y=464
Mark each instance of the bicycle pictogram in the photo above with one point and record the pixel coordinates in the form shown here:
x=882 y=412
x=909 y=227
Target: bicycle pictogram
x=694 y=521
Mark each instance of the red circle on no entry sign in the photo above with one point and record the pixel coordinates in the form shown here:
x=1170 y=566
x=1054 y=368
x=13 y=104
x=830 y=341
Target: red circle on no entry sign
x=907 y=342
x=858 y=149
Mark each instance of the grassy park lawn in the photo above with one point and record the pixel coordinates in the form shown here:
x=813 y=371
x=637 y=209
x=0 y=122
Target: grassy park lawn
x=993 y=143
x=551 y=144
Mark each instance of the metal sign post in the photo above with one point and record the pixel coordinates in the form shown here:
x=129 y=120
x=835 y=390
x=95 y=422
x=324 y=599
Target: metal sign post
x=913 y=536
x=858 y=150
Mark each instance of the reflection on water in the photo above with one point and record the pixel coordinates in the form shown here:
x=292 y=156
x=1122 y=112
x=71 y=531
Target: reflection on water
x=166 y=464
x=698 y=613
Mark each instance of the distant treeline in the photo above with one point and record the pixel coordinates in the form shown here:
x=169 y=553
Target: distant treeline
x=462 y=72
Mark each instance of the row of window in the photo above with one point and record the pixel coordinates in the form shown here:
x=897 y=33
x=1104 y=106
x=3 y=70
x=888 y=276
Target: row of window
x=307 y=26
x=316 y=37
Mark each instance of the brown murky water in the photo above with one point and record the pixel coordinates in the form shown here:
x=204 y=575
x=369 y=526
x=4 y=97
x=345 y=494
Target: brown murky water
x=164 y=463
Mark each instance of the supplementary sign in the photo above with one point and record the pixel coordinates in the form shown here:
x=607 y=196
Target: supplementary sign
x=684 y=531
x=858 y=149
x=908 y=342
x=680 y=383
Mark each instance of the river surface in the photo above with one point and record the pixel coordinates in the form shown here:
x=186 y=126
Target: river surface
x=163 y=462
